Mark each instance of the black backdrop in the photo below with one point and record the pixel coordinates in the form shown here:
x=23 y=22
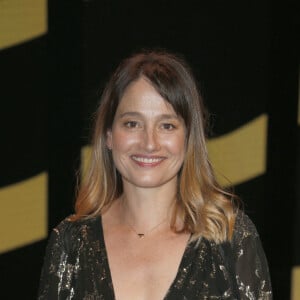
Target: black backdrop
x=245 y=56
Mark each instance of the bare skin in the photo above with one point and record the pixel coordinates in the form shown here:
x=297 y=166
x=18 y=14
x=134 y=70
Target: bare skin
x=141 y=269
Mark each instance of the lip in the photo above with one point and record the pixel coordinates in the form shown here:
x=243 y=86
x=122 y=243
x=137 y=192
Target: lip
x=147 y=161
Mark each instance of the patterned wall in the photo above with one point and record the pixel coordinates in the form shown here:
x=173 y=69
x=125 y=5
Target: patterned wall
x=56 y=57
x=23 y=180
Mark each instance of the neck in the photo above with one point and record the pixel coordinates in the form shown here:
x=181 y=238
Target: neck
x=145 y=208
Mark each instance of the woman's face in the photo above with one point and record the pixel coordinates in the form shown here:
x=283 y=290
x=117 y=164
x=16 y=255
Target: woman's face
x=147 y=138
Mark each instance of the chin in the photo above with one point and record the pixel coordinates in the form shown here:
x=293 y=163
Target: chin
x=149 y=182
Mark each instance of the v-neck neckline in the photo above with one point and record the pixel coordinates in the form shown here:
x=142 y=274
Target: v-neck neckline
x=181 y=266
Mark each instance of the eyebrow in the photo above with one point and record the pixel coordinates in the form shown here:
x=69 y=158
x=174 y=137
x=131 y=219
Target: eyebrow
x=137 y=114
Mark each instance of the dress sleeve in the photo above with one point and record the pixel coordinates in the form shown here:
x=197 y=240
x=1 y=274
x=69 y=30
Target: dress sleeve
x=54 y=268
x=251 y=267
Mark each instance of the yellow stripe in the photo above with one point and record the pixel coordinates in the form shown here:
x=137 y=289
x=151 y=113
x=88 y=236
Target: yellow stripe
x=295 y=288
x=241 y=154
x=21 y=20
x=85 y=159
x=23 y=209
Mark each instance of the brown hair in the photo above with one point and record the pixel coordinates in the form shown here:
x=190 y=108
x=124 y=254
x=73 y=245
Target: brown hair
x=202 y=204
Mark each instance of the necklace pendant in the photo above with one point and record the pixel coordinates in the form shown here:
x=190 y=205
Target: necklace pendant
x=141 y=235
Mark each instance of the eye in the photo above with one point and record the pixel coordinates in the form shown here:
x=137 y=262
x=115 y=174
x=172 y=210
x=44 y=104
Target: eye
x=168 y=126
x=131 y=124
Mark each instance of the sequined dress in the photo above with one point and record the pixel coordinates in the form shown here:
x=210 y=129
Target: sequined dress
x=76 y=266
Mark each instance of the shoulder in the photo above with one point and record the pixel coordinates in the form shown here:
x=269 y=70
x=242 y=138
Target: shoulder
x=69 y=232
x=244 y=227
x=246 y=241
x=245 y=235
x=68 y=224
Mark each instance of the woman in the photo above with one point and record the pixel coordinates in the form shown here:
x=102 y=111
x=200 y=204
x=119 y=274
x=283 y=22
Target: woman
x=151 y=221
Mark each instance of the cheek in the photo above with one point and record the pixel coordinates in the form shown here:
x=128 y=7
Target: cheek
x=176 y=144
x=122 y=141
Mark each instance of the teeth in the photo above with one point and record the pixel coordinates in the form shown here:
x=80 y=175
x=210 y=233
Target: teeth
x=146 y=160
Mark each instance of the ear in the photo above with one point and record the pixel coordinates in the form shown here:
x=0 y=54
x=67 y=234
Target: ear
x=109 y=139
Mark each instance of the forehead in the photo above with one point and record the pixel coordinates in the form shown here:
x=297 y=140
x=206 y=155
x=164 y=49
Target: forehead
x=141 y=96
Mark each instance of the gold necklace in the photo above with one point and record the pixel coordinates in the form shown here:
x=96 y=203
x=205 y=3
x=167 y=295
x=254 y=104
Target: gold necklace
x=142 y=235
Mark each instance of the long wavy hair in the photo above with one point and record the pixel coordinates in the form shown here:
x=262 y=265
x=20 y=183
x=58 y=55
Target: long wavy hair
x=204 y=207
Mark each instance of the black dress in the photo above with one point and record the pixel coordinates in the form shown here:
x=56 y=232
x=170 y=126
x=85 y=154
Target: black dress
x=76 y=266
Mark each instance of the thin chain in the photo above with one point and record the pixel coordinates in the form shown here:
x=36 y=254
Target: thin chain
x=142 y=235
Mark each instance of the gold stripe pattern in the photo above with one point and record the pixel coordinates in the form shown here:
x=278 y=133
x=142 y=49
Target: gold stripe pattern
x=21 y=21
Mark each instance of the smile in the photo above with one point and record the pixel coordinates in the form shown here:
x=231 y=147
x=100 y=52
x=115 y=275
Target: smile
x=147 y=160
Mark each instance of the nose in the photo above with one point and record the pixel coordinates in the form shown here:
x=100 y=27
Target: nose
x=151 y=140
